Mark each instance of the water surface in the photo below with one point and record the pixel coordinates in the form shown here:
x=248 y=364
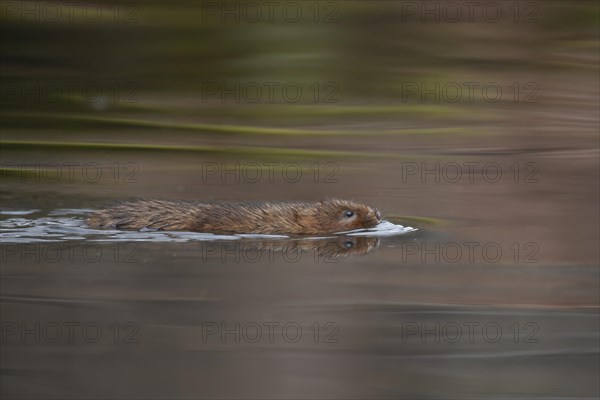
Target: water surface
x=495 y=296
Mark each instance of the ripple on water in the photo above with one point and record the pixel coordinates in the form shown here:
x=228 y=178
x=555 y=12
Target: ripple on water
x=18 y=212
x=68 y=224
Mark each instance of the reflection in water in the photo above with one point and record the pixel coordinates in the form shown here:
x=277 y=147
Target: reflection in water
x=61 y=226
x=328 y=248
x=58 y=228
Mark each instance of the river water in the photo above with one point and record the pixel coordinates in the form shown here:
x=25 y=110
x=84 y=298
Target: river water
x=493 y=293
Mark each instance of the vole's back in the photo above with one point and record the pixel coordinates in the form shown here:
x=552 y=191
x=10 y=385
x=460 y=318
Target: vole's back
x=295 y=218
x=151 y=214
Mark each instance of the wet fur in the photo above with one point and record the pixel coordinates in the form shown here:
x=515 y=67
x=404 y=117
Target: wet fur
x=289 y=218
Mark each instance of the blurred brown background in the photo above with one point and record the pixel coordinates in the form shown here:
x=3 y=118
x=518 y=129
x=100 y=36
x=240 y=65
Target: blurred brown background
x=477 y=123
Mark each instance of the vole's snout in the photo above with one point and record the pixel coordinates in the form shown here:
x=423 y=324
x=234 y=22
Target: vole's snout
x=371 y=219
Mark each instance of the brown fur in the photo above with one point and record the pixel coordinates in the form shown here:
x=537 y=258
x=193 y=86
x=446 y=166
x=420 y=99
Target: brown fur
x=293 y=218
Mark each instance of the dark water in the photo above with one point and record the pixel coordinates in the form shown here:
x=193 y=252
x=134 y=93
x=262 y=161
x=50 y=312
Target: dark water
x=422 y=314
x=494 y=296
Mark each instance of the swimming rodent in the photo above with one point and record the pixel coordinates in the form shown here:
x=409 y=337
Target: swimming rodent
x=286 y=218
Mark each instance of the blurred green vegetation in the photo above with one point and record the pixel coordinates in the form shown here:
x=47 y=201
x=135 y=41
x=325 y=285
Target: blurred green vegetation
x=154 y=65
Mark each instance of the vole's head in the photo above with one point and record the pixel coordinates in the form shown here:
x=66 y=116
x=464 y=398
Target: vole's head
x=347 y=215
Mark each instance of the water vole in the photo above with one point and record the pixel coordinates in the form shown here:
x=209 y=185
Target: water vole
x=287 y=218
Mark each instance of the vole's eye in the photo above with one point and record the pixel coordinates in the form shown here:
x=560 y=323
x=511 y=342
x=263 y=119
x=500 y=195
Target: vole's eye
x=348 y=245
x=349 y=214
